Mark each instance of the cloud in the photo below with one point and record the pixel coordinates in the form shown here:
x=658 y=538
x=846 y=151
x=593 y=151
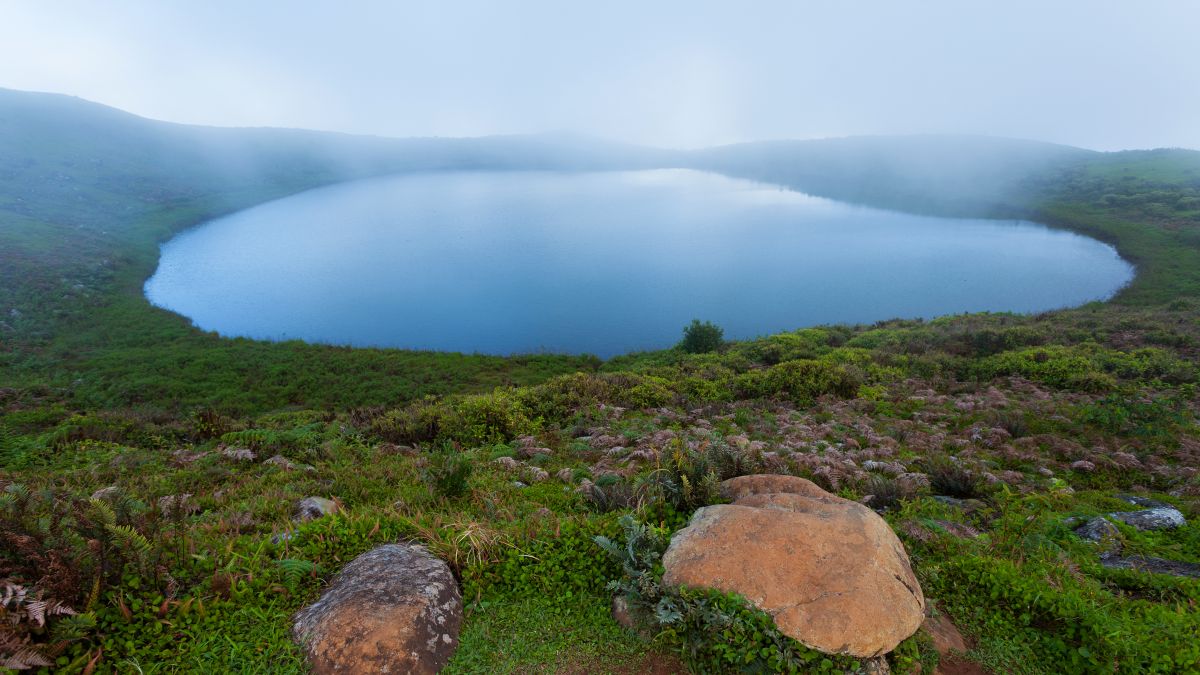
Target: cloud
x=1096 y=73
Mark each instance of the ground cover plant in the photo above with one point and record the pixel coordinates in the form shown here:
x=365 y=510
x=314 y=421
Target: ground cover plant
x=149 y=472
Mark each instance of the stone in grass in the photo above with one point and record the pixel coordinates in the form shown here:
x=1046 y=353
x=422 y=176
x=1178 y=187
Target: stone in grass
x=394 y=609
x=1144 y=502
x=1100 y=531
x=1155 y=565
x=311 y=508
x=966 y=505
x=1151 y=519
x=829 y=571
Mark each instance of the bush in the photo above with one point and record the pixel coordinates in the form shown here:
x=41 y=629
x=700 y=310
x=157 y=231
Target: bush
x=488 y=419
x=701 y=337
x=713 y=631
x=619 y=495
x=886 y=493
x=947 y=477
x=418 y=422
x=690 y=479
x=801 y=381
x=447 y=475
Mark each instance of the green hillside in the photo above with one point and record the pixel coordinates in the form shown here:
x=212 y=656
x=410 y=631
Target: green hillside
x=191 y=563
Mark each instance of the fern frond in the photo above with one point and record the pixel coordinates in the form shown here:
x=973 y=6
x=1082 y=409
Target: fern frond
x=294 y=569
x=26 y=658
x=71 y=628
x=103 y=512
x=18 y=491
x=129 y=538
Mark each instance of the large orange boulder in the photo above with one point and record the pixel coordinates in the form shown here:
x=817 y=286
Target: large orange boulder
x=395 y=609
x=830 y=571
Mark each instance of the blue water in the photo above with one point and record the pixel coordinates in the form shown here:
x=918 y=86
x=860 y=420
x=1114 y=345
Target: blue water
x=603 y=263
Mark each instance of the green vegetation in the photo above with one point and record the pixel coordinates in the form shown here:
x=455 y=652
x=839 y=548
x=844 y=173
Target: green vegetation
x=699 y=338
x=148 y=471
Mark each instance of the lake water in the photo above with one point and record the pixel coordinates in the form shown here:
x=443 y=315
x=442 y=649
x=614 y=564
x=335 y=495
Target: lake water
x=603 y=263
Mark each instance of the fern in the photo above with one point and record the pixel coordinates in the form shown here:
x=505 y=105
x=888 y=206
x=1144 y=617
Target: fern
x=75 y=627
x=103 y=513
x=26 y=658
x=18 y=494
x=130 y=539
x=38 y=610
x=295 y=569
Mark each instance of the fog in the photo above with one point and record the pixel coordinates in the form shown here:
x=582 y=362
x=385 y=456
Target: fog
x=1101 y=75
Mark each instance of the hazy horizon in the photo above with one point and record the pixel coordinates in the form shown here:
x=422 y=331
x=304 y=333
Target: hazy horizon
x=1102 y=75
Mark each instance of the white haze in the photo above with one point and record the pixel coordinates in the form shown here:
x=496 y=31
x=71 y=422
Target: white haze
x=1097 y=74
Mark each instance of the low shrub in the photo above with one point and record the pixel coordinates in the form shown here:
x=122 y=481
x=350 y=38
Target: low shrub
x=801 y=381
x=712 y=631
x=447 y=475
x=487 y=419
x=619 y=495
x=886 y=494
x=418 y=422
x=950 y=478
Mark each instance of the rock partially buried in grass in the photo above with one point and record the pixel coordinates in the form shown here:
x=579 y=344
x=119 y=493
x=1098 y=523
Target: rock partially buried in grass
x=1156 y=515
x=395 y=609
x=1100 y=531
x=311 y=508
x=830 y=571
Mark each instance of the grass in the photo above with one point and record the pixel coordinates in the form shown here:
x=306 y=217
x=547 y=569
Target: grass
x=537 y=634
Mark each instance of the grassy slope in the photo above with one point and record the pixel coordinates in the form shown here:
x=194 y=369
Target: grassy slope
x=84 y=205
x=86 y=195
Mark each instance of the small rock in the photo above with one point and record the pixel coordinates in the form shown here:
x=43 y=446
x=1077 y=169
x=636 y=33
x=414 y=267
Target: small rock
x=239 y=454
x=877 y=666
x=945 y=635
x=281 y=462
x=537 y=474
x=519 y=484
x=177 y=504
x=1083 y=466
x=1144 y=502
x=623 y=614
x=311 y=508
x=1099 y=530
x=565 y=475
x=280 y=537
x=967 y=505
x=508 y=463
x=106 y=492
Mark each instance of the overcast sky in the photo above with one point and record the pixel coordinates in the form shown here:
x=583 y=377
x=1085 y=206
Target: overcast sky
x=1094 y=73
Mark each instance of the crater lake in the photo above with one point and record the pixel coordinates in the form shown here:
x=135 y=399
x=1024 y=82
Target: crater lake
x=600 y=262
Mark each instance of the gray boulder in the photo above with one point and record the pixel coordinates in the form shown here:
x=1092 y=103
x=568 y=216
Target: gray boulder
x=1151 y=519
x=395 y=609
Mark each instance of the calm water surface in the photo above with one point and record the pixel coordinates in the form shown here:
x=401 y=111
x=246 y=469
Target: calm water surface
x=606 y=263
